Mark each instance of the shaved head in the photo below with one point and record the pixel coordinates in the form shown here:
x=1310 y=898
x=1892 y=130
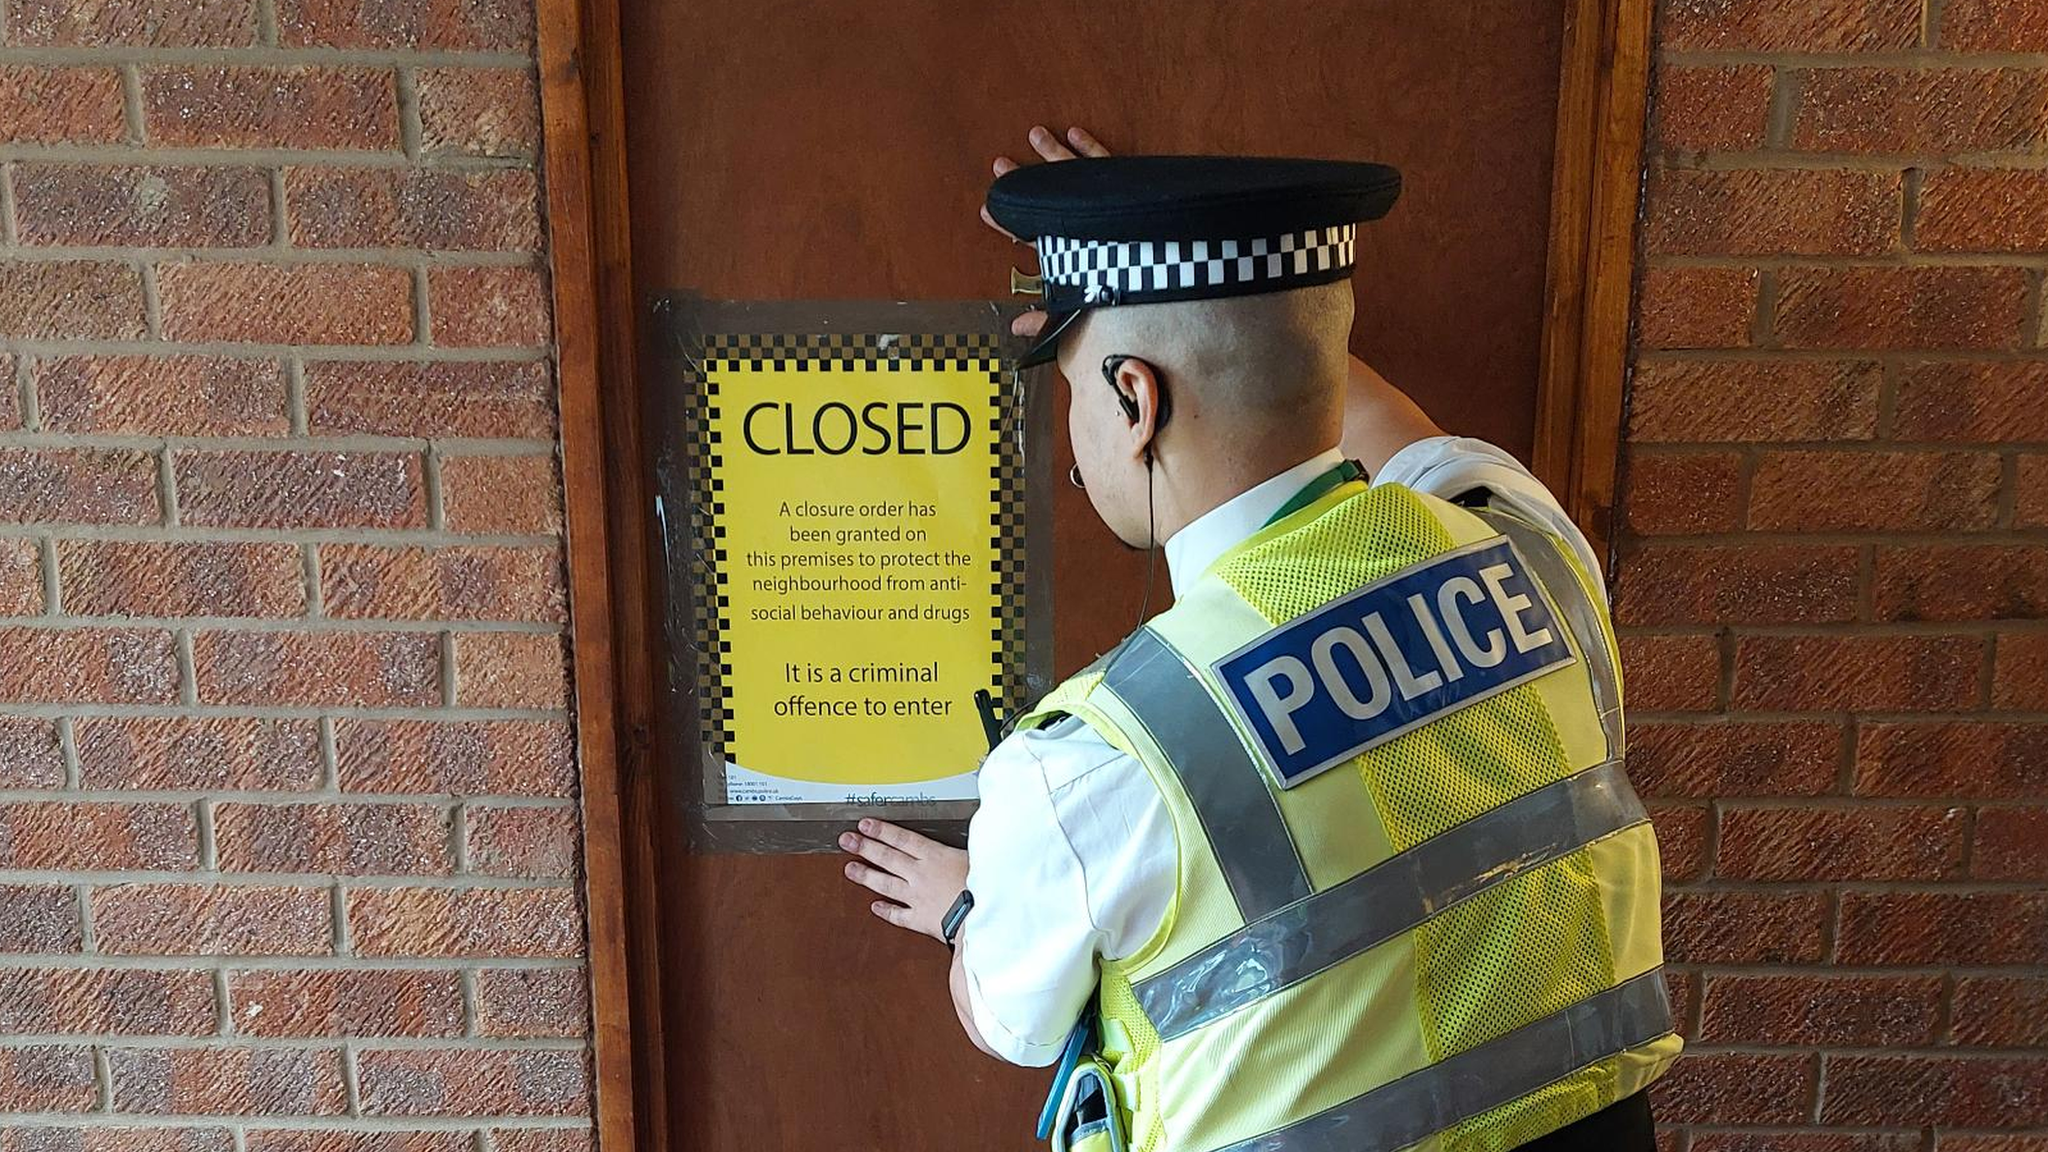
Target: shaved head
x=1248 y=360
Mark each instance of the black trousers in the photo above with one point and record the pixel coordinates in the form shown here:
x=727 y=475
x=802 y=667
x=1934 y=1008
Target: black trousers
x=1623 y=1126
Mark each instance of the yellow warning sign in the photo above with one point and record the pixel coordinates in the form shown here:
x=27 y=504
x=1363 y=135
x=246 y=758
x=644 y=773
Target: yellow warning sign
x=854 y=507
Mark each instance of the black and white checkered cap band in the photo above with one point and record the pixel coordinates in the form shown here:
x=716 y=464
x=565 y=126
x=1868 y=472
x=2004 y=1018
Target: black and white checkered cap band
x=1110 y=271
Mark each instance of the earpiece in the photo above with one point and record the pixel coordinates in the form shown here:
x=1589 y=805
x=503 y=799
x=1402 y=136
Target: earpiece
x=1110 y=364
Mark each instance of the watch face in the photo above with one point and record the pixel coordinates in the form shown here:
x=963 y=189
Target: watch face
x=949 y=925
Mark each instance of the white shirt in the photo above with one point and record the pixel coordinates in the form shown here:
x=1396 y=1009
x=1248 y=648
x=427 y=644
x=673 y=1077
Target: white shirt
x=1071 y=856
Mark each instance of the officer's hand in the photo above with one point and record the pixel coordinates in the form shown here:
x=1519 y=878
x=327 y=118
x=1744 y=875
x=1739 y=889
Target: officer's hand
x=918 y=878
x=1050 y=148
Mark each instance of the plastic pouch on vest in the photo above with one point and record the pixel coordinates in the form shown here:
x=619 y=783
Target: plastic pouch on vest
x=1090 y=1117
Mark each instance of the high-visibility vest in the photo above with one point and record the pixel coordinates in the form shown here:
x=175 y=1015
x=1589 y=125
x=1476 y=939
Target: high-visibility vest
x=1417 y=900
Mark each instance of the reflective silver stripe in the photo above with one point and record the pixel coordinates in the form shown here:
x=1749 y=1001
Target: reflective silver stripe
x=1580 y=614
x=1303 y=939
x=1228 y=791
x=1498 y=1072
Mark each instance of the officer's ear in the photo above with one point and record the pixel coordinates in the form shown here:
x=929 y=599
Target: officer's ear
x=1141 y=393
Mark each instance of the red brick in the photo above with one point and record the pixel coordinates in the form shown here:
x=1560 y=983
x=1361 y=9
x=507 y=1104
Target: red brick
x=107 y=1002
x=1874 y=491
x=1922 y=928
x=287 y=303
x=228 y=1081
x=1993 y=26
x=1736 y=1088
x=1982 y=210
x=1887 y=307
x=1788 y=25
x=1688 y=493
x=502 y=399
x=511 y=670
x=2030 y=499
x=532 y=1002
x=87 y=665
x=492 y=757
x=446 y=24
x=1805 y=1142
x=10 y=394
x=301 y=489
x=1860 y=673
x=110 y=1139
x=70 y=300
x=511 y=494
x=162 y=396
x=1961 y=759
x=1722 y=759
x=250 y=106
x=163 y=207
x=2000 y=1012
x=1744 y=927
x=479 y=111
x=1671 y=673
x=78 y=486
x=1745 y=401
x=2020 y=676
x=1696 y=307
x=345 y=839
x=1821 y=1011
x=47 y=1078
x=1962 y=582
x=443 y=583
x=1975 y=402
x=1775 y=211
x=39 y=918
x=1681 y=840
x=1832 y=844
x=95 y=837
x=149 y=23
x=21 y=580
x=212 y=920
x=492 y=210
x=443 y=922
x=59 y=105
x=319 y=669
x=466 y=1082
x=488 y=307
x=1712 y=109
x=132 y=578
x=214 y=753
x=572 y=1140
x=331 y=1140
x=1760 y=583
x=530 y=842
x=2010 y=844
x=31 y=753
x=1890 y=110
x=356 y=1003
x=1962 y=1091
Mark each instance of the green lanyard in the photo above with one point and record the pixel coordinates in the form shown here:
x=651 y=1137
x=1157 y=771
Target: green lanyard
x=1318 y=488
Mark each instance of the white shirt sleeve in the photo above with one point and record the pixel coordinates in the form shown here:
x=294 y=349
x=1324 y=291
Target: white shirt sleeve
x=1071 y=857
x=1450 y=466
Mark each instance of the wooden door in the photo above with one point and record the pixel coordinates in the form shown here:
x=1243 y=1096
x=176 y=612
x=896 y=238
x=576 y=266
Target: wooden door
x=809 y=149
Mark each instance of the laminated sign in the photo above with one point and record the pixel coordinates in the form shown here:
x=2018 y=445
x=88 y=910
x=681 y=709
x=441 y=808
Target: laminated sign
x=853 y=557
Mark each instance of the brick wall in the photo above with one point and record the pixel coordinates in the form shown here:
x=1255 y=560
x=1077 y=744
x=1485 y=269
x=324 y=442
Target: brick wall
x=287 y=828
x=1834 y=568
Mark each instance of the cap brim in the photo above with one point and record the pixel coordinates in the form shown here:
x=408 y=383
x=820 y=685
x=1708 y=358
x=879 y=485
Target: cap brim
x=1046 y=348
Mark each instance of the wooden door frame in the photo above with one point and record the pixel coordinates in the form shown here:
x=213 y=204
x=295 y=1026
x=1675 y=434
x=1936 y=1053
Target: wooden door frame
x=1602 y=92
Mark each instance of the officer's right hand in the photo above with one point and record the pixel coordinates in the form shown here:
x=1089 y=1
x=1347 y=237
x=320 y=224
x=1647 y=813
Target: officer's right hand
x=1049 y=148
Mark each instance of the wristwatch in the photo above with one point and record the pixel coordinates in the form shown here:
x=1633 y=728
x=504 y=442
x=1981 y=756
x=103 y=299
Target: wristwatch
x=949 y=924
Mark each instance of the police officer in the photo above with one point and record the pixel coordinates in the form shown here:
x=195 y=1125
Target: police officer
x=1336 y=853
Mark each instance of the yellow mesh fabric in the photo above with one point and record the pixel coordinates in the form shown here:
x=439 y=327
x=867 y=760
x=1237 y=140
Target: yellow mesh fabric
x=1460 y=765
x=1540 y=1113
x=1372 y=535
x=1517 y=952
x=1122 y=1013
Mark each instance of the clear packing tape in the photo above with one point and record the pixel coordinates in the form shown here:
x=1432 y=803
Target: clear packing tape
x=683 y=332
